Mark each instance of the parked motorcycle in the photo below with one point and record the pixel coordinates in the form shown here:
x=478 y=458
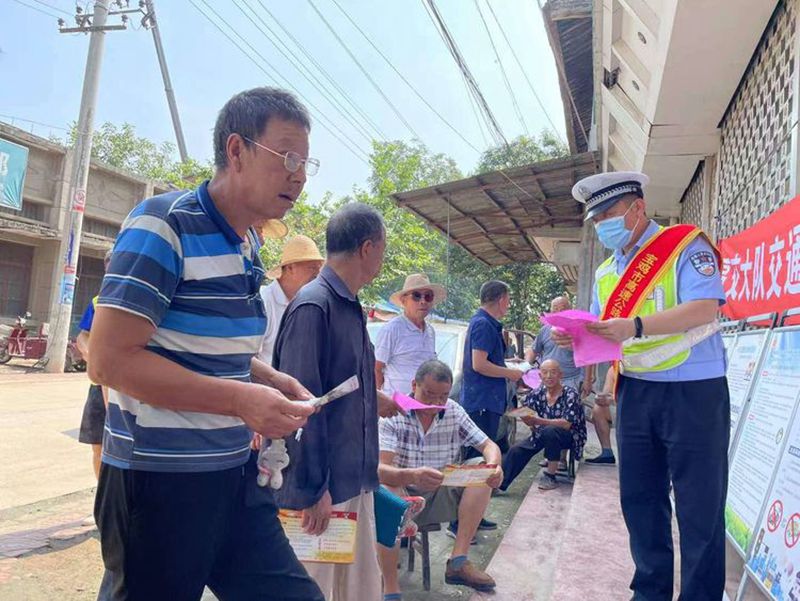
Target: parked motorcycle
x=23 y=344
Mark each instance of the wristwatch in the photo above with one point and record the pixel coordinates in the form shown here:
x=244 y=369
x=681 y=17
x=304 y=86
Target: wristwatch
x=637 y=323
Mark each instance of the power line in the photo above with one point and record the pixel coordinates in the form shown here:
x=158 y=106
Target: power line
x=61 y=10
x=354 y=149
x=364 y=71
x=308 y=77
x=502 y=69
x=36 y=8
x=524 y=73
x=403 y=77
x=494 y=126
x=325 y=74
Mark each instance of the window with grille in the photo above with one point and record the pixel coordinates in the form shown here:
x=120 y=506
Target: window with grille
x=756 y=131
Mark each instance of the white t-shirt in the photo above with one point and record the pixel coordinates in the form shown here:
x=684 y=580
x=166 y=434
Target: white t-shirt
x=403 y=347
x=275 y=303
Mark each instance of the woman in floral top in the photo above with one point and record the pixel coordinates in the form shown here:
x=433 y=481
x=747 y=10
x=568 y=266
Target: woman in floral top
x=559 y=424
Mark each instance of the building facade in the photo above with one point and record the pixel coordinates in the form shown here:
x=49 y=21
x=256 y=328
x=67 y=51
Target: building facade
x=30 y=266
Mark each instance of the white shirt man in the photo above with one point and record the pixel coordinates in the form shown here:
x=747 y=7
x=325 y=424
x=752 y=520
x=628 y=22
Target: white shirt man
x=407 y=341
x=300 y=263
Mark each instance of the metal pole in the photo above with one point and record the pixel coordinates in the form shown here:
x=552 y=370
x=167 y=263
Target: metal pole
x=73 y=224
x=162 y=62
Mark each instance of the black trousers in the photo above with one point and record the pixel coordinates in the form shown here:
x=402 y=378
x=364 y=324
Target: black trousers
x=678 y=432
x=551 y=438
x=167 y=535
x=489 y=422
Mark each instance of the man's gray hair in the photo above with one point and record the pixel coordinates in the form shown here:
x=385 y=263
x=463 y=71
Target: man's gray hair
x=493 y=290
x=248 y=113
x=439 y=371
x=351 y=226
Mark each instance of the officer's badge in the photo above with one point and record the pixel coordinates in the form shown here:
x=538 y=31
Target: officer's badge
x=704 y=263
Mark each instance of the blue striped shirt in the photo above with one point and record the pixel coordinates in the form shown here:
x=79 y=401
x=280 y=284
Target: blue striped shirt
x=179 y=264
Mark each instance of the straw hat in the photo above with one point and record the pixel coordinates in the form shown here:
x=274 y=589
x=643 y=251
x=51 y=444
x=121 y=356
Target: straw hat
x=297 y=249
x=275 y=229
x=419 y=281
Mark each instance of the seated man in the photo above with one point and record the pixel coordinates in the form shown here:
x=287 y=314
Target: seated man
x=601 y=412
x=559 y=424
x=413 y=450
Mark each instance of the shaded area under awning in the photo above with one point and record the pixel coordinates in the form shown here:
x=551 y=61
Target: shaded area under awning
x=518 y=214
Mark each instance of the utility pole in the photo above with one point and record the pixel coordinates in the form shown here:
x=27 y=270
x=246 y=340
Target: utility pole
x=95 y=24
x=151 y=22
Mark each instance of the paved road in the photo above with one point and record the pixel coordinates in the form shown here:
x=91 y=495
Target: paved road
x=48 y=549
x=40 y=456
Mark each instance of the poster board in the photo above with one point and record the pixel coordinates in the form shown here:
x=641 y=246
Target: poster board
x=728 y=341
x=775 y=559
x=762 y=436
x=744 y=357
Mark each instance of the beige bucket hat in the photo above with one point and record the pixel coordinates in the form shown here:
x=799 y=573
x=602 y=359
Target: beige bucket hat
x=274 y=229
x=296 y=250
x=419 y=281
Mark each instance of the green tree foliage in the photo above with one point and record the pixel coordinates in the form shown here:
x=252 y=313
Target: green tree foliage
x=523 y=150
x=120 y=147
x=412 y=246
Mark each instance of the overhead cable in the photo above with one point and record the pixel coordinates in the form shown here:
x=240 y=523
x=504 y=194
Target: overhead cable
x=364 y=71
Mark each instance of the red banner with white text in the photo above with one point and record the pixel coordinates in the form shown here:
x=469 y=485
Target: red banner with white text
x=761 y=265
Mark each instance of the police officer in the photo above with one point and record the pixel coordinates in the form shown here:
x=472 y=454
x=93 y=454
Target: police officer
x=673 y=414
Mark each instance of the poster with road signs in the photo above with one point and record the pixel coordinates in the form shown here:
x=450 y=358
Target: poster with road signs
x=762 y=437
x=775 y=561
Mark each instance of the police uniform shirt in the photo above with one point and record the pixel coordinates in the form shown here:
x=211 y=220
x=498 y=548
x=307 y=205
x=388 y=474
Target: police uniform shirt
x=698 y=279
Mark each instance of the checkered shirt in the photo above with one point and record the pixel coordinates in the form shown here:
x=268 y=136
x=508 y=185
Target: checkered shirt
x=451 y=429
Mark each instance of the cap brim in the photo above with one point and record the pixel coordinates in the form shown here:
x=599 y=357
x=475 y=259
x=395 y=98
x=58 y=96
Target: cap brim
x=603 y=206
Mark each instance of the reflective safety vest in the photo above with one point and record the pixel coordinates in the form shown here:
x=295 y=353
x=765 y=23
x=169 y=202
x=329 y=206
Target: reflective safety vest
x=664 y=296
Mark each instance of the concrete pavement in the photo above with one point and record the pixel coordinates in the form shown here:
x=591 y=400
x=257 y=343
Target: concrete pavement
x=40 y=457
x=48 y=547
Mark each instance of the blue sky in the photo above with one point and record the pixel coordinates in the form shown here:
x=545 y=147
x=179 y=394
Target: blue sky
x=42 y=72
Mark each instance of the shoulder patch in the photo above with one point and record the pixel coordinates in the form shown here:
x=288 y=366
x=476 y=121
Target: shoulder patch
x=704 y=262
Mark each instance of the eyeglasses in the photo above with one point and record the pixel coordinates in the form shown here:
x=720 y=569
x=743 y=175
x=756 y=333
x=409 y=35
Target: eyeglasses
x=418 y=296
x=291 y=160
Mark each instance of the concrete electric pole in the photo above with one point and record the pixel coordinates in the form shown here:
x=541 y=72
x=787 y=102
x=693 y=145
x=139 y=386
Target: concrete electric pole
x=151 y=22
x=95 y=24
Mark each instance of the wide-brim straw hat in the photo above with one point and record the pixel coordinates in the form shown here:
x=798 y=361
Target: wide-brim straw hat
x=419 y=281
x=296 y=250
x=275 y=229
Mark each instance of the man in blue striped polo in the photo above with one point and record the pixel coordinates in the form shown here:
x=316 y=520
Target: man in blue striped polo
x=178 y=322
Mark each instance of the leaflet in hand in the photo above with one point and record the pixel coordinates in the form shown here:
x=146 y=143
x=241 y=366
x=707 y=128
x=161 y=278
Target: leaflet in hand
x=467 y=475
x=336 y=545
x=532 y=379
x=346 y=387
x=588 y=348
x=521 y=412
x=406 y=403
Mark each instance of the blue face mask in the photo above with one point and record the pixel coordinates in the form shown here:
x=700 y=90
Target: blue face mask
x=612 y=232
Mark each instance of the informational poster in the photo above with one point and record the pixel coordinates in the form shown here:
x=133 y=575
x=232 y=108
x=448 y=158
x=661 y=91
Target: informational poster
x=728 y=341
x=775 y=561
x=742 y=364
x=762 y=434
x=336 y=545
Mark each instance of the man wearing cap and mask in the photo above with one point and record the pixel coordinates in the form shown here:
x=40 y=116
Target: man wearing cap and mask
x=300 y=263
x=658 y=294
x=407 y=341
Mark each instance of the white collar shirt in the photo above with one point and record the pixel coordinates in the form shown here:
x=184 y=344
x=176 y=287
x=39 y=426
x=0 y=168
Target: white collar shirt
x=403 y=347
x=275 y=303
